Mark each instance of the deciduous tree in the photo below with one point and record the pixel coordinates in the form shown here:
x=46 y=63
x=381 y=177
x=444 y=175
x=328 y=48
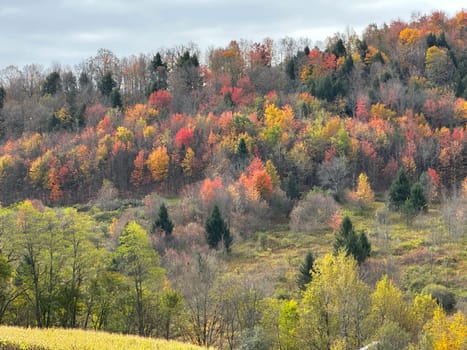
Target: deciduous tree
x=158 y=163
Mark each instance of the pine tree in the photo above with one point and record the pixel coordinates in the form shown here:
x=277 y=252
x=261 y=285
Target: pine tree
x=304 y=271
x=399 y=190
x=217 y=231
x=163 y=221
x=417 y=199
x=352 y=243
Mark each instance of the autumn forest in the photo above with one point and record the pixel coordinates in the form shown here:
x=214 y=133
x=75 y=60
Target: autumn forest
x=261 y=195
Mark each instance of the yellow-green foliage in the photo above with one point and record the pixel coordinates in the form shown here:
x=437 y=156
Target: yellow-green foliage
x=68 y=339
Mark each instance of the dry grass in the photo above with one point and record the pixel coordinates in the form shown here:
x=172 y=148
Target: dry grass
x=67 y=339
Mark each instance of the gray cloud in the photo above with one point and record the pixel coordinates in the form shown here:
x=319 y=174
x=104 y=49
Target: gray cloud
x=69 y=31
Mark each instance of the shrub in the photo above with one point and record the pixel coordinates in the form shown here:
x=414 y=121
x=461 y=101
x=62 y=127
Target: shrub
x=312 y=213
x=443 y=296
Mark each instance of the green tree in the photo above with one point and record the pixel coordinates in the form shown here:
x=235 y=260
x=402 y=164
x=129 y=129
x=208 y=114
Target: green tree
x=280 y=320
x=417 y=200
x=291 y=187
x=217 y=230
x=242 y=150
x=6 y=296
x=40 y=246
x=136 y=259
x=171 y=307
x=52 y=84
x=305 y=270
x=2 y=96
x=116 y=98
x=106 y=84
x=352 y=243
x=158 y=70
x=335 y=305
x=80 y=240
x=163 y=221
x=399 y=190
x=389 y=310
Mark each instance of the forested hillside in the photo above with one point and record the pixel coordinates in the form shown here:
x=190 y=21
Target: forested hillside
x=188 y=194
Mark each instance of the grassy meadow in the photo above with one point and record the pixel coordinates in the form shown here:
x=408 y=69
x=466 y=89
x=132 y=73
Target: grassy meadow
x=12 y=338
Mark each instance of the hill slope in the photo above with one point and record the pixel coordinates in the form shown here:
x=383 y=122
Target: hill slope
x=63 y=339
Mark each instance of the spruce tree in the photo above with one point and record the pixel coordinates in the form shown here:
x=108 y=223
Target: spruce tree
x=399 y=190
x=163 y=221
x=352 y=243
x=415 y=203
x=304 y=271
x=291 y=187
x=106 y=84
x=242 y=150
x=116 y=98
x=417 y=199
x=217 y=230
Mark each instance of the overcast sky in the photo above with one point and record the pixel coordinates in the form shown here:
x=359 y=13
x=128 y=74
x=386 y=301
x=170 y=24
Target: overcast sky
x=69 y=31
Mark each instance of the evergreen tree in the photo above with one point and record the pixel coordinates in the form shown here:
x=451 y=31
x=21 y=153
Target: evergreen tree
x=52 y=84
x=2 y=96
x=430 y=40
x=158 y=70
x=415 y=203
x=84 y=80
x=352 y=243
x=304 y=271
x=417 y=199
x=106 y=84
x=364 y=247
x=242 y=150
x=338 y=49
x=217 y=231
x=399 y=190
x=163 y=221
x=116 y=98
x=291 y=188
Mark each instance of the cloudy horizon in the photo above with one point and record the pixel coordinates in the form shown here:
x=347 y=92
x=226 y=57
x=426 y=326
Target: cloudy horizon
x=69 y=31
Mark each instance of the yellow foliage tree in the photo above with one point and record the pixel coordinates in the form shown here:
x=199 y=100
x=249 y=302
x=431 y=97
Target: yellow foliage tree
x=380 y=111
x=364 y=194
x=409 y=36
x=187 y=162
x=388 y=305
x=334 y=306
x=438 y=64
x=423 y=307
x=272 y=171
x=158 y=163
x=447 y=333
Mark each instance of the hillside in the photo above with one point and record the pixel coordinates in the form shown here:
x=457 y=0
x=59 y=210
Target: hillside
x=61 y=339
x=276 y=196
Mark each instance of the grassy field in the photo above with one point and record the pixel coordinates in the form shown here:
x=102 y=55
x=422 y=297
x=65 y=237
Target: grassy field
x=413 y=254
x=13 y=338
